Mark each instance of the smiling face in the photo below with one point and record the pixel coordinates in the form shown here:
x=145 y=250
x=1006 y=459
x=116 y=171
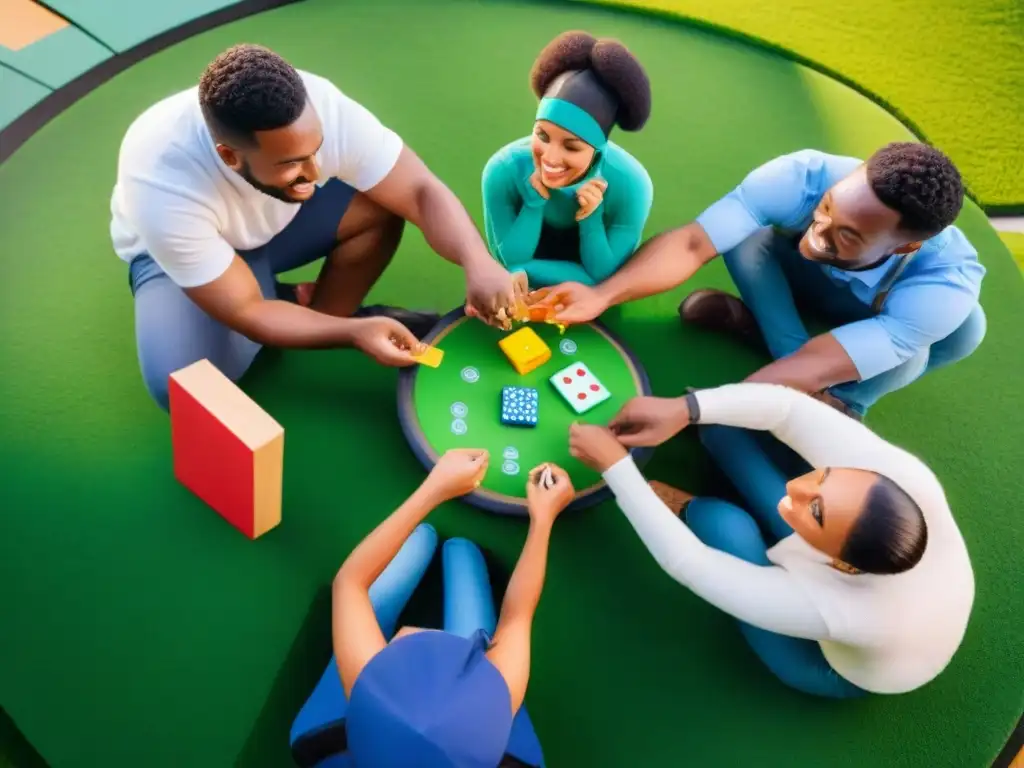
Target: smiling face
x=822 y=506
x=852 y=228
x=282 y=163
x=562 y=157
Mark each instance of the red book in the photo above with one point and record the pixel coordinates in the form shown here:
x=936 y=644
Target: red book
x=227 y=450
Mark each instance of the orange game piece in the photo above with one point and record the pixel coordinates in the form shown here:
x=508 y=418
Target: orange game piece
x=227 y=450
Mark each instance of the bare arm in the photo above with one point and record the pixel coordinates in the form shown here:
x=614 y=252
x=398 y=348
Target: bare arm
x=820 y=363
x=662 y=263
x=413 y=192
x=356 y=633
x=235 y=300
x=510 y=651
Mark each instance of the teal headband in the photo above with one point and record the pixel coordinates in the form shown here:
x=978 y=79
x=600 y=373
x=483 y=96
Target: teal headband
x=573 y=119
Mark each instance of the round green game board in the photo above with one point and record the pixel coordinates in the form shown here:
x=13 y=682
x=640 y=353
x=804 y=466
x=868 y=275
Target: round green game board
x=458 y=405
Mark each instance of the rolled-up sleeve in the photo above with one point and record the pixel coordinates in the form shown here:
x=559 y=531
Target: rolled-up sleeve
x=914 y=317
x=773 y=194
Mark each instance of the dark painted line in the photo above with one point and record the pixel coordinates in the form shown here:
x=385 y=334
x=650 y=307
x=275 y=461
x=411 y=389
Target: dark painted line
x=26 y=75
x=21 y=128
x=71 y=22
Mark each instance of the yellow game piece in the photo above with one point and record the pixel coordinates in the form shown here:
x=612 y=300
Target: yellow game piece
x=525 y=350
x=431 y=356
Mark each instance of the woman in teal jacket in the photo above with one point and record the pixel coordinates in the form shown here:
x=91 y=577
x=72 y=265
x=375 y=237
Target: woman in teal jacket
x=565 y=203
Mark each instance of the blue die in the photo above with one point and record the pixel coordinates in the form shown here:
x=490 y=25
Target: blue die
x=519 y=406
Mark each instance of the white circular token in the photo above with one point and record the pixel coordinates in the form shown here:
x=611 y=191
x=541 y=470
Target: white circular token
x=510 y=468
x=567 y=346
x=510 y=453
x=470 y=374
x=459 y=410
x=459 y=427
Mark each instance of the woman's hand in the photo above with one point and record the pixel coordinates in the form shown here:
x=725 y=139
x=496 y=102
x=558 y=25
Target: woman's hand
x=649 y=421
x=537 y=184
x=595 y=446
x=590 y=196
x=457 y=472
x=547 y=503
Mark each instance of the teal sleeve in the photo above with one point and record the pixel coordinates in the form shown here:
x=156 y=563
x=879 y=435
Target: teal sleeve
x=543 y=272
x=512 y=222
x=610 y=235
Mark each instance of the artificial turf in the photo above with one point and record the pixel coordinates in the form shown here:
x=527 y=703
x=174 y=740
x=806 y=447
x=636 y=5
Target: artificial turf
x=954 y=69
x=146 y=629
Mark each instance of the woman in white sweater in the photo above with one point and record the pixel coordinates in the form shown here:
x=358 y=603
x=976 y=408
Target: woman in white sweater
x=852 y=578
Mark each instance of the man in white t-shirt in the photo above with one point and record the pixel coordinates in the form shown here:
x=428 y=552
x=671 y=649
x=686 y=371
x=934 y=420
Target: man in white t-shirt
x=257 y=171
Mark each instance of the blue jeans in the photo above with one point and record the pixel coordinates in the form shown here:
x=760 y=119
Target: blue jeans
x=468 y=607
x=171 y=332
x=773 y=280
x=797 y=662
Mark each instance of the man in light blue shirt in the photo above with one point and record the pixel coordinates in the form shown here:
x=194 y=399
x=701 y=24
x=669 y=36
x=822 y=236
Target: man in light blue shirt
x=867 y=247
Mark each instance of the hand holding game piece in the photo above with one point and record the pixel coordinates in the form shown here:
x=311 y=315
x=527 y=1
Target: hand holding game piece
x=546 y=503
x=458 y=472
x=385 y=340
x=490 y=293
x=650 y=421
x=595 y=446
x=573 y=303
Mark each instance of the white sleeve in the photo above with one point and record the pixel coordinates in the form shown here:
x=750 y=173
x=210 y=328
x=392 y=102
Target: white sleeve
x=358 y=148
x=179 y=232
x=768 y=597
x=823 y=436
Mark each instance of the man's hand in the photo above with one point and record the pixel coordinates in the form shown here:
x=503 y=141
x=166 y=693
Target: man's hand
x=385 y=340
x=649 y=421
x=546 y=504
x=589 y=196
x=573 y=303
x=490 y=293
x=458 y=472
x=595 y=446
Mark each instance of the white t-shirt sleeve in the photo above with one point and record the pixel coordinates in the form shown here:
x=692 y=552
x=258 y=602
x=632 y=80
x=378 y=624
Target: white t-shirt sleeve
x=358 y=148
x=180 y=232
x=764 y=596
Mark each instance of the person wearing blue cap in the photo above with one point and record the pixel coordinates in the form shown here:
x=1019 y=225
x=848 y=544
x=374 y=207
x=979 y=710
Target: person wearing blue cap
x=428 y=698
x=566 y=203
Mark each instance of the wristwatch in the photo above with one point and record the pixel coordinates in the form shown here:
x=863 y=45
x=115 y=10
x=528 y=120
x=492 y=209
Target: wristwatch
x=692 y=405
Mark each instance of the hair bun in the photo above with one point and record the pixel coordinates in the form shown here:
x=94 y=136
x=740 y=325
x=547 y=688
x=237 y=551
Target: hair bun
x=622 y=73
x=569 y=51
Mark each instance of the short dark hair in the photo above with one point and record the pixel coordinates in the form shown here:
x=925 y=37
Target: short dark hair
x=920 y=183
x=890 y=535
x=250 y=88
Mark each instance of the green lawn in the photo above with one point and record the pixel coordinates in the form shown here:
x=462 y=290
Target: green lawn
x=954 y=69
x=150 y=632
x=1015 y=242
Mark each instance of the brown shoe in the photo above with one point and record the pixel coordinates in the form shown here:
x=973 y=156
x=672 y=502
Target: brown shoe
x=674 y=498
x=715 y=310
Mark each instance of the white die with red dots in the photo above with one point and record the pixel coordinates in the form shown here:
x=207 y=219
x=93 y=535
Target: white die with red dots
x=580 y=387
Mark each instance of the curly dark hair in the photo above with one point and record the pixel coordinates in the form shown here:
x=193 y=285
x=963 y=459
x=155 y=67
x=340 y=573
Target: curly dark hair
x=920 y=183
x=610 y=60
x=249 y=88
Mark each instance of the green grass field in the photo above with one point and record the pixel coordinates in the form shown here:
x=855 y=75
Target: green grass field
x=954 y=69
x=1015 y=242
x=150 y=632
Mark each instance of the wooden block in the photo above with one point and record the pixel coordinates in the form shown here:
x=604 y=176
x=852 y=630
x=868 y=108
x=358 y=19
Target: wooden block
x=525 y=350
x=227 y=450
